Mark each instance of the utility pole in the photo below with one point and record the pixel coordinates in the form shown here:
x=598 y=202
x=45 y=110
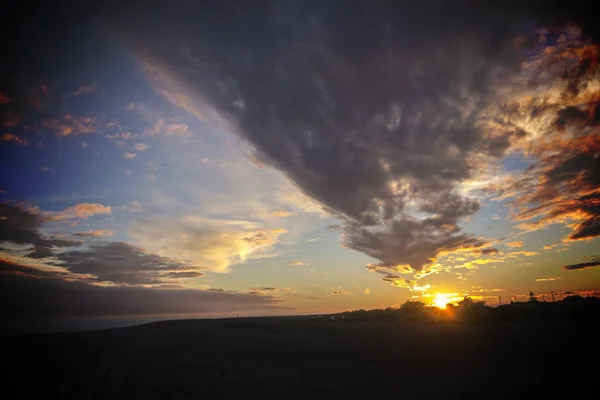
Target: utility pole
x=500 y=299
x=552 y=294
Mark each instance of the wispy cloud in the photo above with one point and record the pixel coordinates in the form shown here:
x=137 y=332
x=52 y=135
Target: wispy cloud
x=298 y=263
x=81 y=210
x=140 y=146
x=214 y=244
x=98 y=233
x=549 y=279
x=522 y=253
x=283 y=213
x=83 y=90
x=515 y=244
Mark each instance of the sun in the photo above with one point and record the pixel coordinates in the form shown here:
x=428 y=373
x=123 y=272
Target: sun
x=441 y=300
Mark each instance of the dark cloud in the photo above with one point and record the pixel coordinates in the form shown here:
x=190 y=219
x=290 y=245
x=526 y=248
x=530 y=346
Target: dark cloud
x=120 y=262
x=339 y=292
x=595 y=262
x=20 y=225
x=265 y=289
x=373 y=110
x=23 y=297
x=334 y=228
x=488 y=251
x=347 y=106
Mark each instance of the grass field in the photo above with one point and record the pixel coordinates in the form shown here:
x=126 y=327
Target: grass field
x=303 y=358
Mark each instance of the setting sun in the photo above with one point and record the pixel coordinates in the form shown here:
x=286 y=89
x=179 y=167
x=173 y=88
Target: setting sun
x=441 y=300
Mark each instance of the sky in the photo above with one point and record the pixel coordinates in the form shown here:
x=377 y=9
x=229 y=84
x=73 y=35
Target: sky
x=175 y=159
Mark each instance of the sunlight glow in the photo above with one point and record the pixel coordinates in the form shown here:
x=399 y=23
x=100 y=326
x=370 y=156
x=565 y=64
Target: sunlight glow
x=441 y=300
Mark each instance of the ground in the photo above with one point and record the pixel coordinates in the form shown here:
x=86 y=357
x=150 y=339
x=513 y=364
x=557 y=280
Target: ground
x=304 y=358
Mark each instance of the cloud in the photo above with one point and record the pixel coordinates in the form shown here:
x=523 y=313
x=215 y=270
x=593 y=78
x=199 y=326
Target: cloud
x=163 y=128
x=83 y=90
x=122 y=263
x=10 y=137
x=595 y=261
x=21 y=225
x=549 y=279
x=70 y=125
x=140 y=146
x=560 y=121
x=135 y=206
x=385 y=126
x=339 y=292
x=298 y=263
x=515 y=244
x=264 y=290
x=487 y=251
x=128 y=155
x=283 y=214
x=97 y=233
x=214 y=244
x=81 y=210
x=367 y=291
x=522 y=253
x=550 y=246
x=58 y=298
x=412 y=285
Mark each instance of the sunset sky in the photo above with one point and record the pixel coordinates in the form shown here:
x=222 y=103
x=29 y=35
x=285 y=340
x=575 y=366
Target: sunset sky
x=281 y=157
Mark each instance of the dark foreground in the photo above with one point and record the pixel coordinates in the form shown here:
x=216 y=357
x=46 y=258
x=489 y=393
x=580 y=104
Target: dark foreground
x=302 y=358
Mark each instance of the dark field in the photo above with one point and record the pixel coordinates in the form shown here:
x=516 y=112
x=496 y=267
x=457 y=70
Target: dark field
x=302 y=358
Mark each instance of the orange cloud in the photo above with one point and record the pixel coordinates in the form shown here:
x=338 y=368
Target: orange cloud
x=96 y=233
x=515 y=244
x=70 y=125
x=128 y=155
x=81 y=210
x=554 y=107
x=9 y=137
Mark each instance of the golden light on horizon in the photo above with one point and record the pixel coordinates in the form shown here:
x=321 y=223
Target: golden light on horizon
x=441 y=300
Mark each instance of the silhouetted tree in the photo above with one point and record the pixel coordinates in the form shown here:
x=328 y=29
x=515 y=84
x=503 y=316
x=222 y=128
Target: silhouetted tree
x=532 y=298
x=411 y=306
x=466 y=302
